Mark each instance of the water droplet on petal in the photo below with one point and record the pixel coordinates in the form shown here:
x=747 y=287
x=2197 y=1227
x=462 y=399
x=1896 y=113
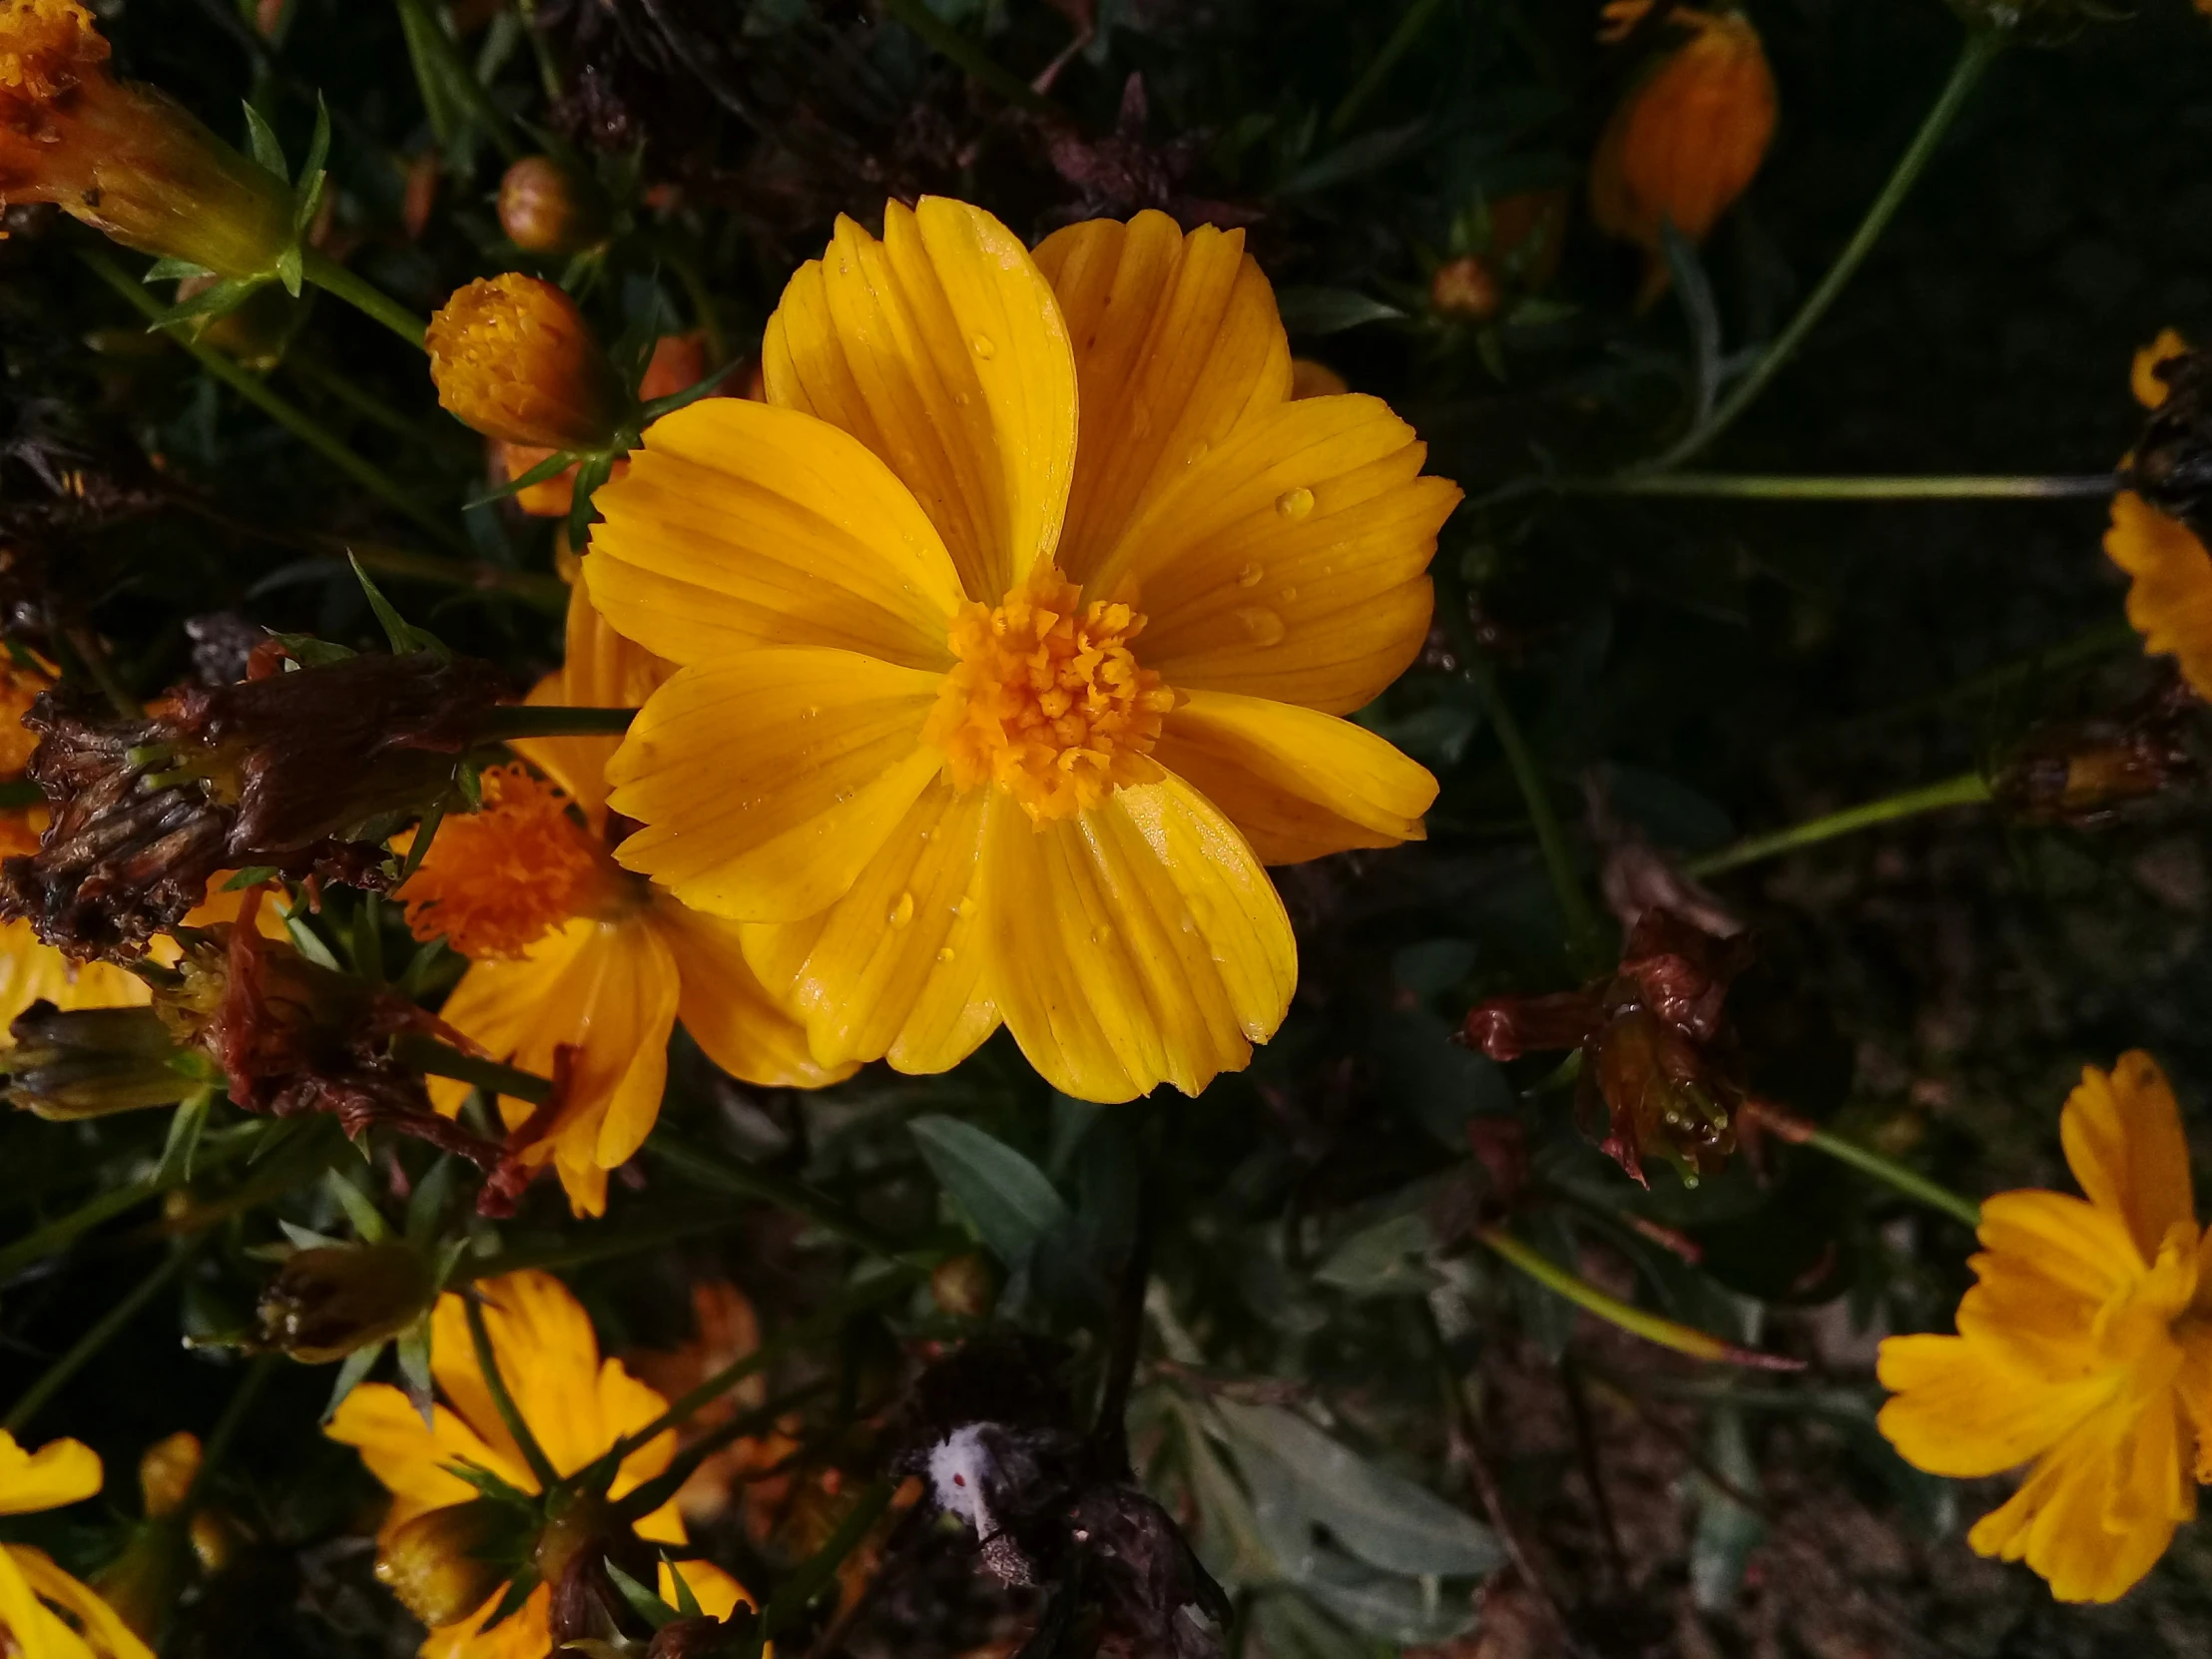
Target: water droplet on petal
x=1261 y=625
x=1289 y=594
x=983 y=346
x=945 y=954
x=1196 y=452
x=809 y=711
x=903 y=911
x=1250 y=576
x=1103 y=933
x=966 y=907
x=1295 y=503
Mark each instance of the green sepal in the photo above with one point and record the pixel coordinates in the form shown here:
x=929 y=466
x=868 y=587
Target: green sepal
x=359 y=1209
x=169 y=268
x=186 y=1125
x=412 y=1347
x=261 y=139
x=644 y=1602
x=404 y=636
x=216 y=299
x=354 y=1370
x=551 y=467
x=591 y=472
x=426 y=1204
x=654 y=409
x=310 y=652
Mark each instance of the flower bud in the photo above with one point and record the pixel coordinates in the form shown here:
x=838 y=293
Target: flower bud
x=547 y=208
x=325 y=1302
x=965 y=1287
x=89 y=1062
x=167 y=1470
x=513 y=357
x=445 y=1565
x=124 y=158
x=1464 y=291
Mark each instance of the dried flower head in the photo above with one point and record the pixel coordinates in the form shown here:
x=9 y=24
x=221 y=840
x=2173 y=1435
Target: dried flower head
x=513 y=357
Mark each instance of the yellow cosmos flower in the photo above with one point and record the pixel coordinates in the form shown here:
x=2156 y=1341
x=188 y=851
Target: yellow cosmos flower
x=576 y=1405
x=974 y=723
x=2169 y=602
x=44 y=1613
x=567 y=949
x=2084 y=1348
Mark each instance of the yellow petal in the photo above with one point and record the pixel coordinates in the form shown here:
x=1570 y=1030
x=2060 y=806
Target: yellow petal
x=30 y=970
x=548 y=1356
x=727 y=1009
x=717 y=1593
x=2083 y=1250
x=526 y=1635
x=59 y=1472
x=896 y=966
x=2123 y=1135
x=1299 y=785
x=1290 y=561
x=104 y=1631
x=767 y=782
x=381 y=1423
x=1135 y=944
x=1176 y=339
x=1958 y=1409
x=31 y=1631
x=601 y=670
x=2143 y=378
x=741 y=525
x=622 y=1406
x=2170 y=600
x=2056 y=1522
x=942 y=349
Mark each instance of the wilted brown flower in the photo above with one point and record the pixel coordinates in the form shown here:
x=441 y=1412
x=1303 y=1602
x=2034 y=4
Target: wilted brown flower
x=2081 y=772
x=303 y=772
x=1658 y=1069
x=1125 y=172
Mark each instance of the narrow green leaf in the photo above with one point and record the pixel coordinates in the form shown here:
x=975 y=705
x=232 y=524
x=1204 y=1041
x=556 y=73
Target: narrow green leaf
x=354 y=1370
x=263 y=139
x=1005 y=1195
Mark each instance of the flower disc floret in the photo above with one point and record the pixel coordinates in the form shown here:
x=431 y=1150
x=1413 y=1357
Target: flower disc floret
x=46 y=48
x=498 y=880
x=1047 y=700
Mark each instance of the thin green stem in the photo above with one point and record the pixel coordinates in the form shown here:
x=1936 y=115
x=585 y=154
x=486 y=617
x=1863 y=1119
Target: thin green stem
x=226 y=1428
x=1967 y=789
x=1379 y=68
x=2086 y=647
x=424 y=28
x=63 y=1230
x=1754 y=486
x=435 y=1059
x=947 y=41
x=363 y=296
x=743 y=1180
x=546 y=719
x=541 y=1466
x=532 y=587
x=1979 y=49
x=599 y=1244
x=1869 y=1162
x=290 y=416
x=93 y=1341
x=665 y=1485
x=339 y=385
x=813 y=1574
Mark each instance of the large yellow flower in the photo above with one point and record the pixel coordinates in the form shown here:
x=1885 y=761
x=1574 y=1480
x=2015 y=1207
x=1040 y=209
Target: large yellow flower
x=567 y=949
x=44 y=1613
x=975 y=723
x=2085 y=1348
x=576 y=1407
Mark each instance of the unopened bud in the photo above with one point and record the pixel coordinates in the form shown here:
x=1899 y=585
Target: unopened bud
x=327 y=1302
x=1464 y=291
x=445 y=1565
x=166 y=1473
x=88 y=1062
x=965 y=1287
x=547 y=208
x=513 y=357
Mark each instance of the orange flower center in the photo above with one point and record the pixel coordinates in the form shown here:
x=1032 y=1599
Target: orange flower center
x=46 y=47
x=1047 y=700
x=498 y=880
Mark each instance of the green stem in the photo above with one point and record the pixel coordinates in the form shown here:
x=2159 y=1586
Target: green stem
x=546 y=592
x=426 y=1054
x=1551 y=840
x=293 y=418
x=1377 y=71
x=363 y=296
x=1979 y=49
x=97 y=1337
x=814 y=1574
x=1967 y=789
x=644 y=1499
x=947 y=41
x=64 y=1230
x=546 y=719
x=599 y=1244
x=2086 y=647
x=1868 y=1162
x=743 y=1180
x=1752 y=486
x=423 y=26
x=541 y=1466
x=227 y=1430
x=338 y=384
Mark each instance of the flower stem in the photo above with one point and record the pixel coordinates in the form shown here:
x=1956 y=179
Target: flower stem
x=1980 y=47
x=1754 y=486
x=488 y=1362
x=363 y=296
x=645 y=1498
x=2086 y=647
x=814 y=1574
x=1379 y=66
x=227 y=1430
x=540 y=719
x=92 y=1342
x=293 y=418
x=1967 y=789
x=215 y=1149
x=538 y=588
x=947 y=41
x=1798 y=1132
x=1683 y=1338
x=743 y=1180
x=435 y=1059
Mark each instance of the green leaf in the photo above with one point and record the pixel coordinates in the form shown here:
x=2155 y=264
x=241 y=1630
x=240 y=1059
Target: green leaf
x=290 y=269
x=253 y=875
x=305 y=939
x=659 y=406
x=1376 y=1260
x=186 y=1125
x=308 y=196
x=644 y=1602
x=216 y=299
x=551 y=467
x=1727 y=1531
x=404 y=636
x=1331 y=310
x=263 y=138
x=170 y=267
x=591 y=472
x=310 y=652
x=354 y=1370
x=1006 y=1195
x=359 y=1209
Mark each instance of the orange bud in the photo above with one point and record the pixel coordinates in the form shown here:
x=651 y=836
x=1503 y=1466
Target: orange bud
x=1463 y=291
x=550 y=209
x=440 y=1565
x=167 y=1471
x=513 y=357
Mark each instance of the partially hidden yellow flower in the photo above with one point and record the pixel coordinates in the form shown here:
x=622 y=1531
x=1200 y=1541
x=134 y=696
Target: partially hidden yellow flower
x=513 y=357
x=568 y=950
x=977 y=725
x=2169 y=600
x=2084 y=1349
x=1686 y=139
x=576 y=1405
x=44 y=1613
x=124 y=158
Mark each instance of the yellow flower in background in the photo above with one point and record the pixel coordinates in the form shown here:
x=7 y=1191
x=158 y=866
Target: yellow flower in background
x=568 y=950
x=575 y=1405
x=976 y=724
x=2084 y=1349
x=44 y=1613
x=2169 y=600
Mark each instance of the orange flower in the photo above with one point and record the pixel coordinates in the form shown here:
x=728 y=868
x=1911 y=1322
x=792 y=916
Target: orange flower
x=1687 y=138
x=2169 y=602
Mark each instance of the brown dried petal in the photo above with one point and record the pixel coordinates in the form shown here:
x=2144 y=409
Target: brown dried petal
x=1506 y=1027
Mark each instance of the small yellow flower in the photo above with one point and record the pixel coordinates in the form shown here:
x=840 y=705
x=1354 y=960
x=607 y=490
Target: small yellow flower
x=2085 y=1349
x=575 y=1405
x=44 y=1613
x=513 y=357
x=125 y=159
x=566 y=949
x=978 y=725
x=2169 y=602
x=2143 y=378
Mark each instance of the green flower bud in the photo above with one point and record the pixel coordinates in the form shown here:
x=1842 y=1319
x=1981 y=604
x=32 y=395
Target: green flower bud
x=88 y=1062
x=326 y=1303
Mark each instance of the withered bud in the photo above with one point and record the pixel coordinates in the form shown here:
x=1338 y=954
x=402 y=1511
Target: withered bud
x=445 y=1565
x=2081 y=772
x=966 y=1287
x=88 y=1062
x=704 y=1638
x=548 y=207
x=1464 y=291
x=2172 y=466
x=304 y=771
x=327 y=1302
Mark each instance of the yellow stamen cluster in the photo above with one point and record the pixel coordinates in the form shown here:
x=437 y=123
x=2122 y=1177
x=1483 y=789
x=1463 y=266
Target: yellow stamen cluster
x=1047 y=700
x=496 y=882
x=513 y=357
x=46 y=48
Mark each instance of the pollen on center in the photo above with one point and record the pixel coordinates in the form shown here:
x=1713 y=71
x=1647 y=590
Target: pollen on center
x=1047 y=701
x=497 y=881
